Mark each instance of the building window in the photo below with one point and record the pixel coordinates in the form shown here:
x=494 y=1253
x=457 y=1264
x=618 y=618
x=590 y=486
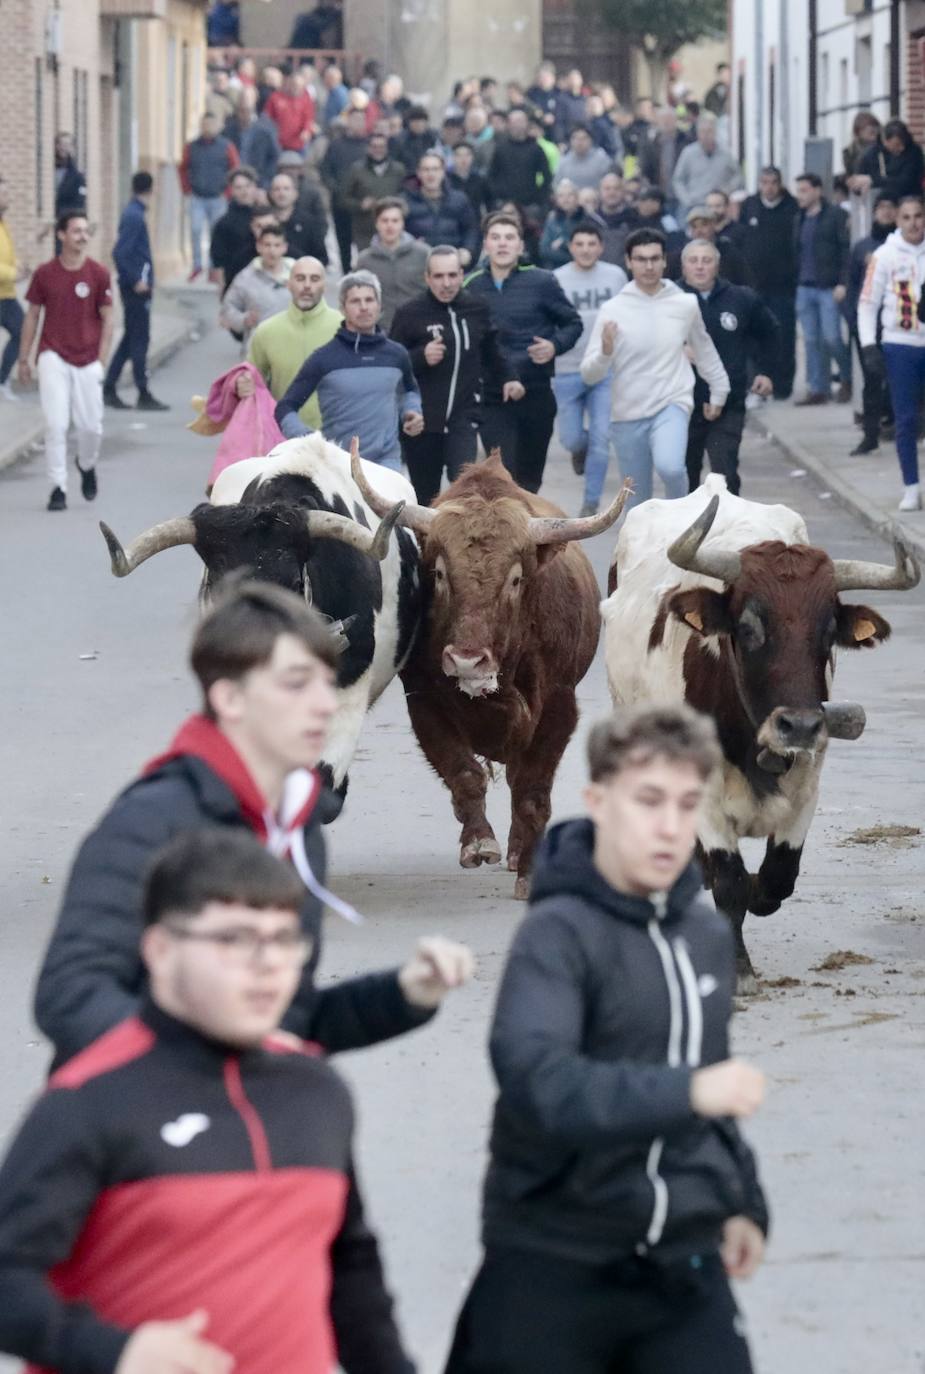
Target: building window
x=39 y=139
x=864 y=63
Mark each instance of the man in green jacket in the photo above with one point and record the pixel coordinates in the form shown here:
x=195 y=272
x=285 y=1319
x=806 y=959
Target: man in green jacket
x=280 y=345
x=367 y=182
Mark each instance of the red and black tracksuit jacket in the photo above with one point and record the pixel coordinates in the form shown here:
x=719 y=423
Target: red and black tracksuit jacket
x=162 y=1172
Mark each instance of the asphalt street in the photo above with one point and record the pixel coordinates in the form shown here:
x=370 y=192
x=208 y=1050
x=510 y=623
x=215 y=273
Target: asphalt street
x=93 y=682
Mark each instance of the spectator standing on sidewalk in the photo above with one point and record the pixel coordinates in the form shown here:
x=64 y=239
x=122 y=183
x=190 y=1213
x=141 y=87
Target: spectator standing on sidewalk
x=204 y=169
x=280 y=345
x=453 y=344
x=536 y=323
x=75 y=294
x=744 y=333
x=260 y=290
x=770 y=255
x=641 y=340
x=70 y=182
x=135 y=275
x=704 y=166
x=373 y=179
x=583 y=410
x=895 y=165
x=364 y=381
x=876 y=409
x=820 y=239
x=232 y=245
x=11 y=312
x=395 y=258
x=894 y=297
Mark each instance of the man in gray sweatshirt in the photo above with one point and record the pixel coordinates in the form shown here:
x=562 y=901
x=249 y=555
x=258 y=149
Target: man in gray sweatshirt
x=585 y=163
x=704 y=166
x=261 y=289
x=397 y=259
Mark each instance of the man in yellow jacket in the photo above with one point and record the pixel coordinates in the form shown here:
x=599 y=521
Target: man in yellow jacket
x=11 y=313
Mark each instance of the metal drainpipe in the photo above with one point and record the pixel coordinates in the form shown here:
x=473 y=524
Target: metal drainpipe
x=813 y=59
x=895 y=54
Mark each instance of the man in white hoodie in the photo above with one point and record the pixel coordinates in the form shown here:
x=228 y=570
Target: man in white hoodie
x=893 y=294
x=641 y=337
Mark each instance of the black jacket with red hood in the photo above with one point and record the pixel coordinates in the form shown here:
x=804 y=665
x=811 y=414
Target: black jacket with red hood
x=92 y=976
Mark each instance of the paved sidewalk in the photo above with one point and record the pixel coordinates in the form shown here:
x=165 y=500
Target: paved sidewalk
x=21 y=426
x=818 y=440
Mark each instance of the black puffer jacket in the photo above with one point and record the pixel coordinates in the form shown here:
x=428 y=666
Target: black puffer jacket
x=605 y=1009
x=92 y=975
x=530 y=304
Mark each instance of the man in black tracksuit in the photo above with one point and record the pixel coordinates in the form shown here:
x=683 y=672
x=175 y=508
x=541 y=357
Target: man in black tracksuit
x=620 y=1195
x=536 y=322
x=183 y=1196
x=745 y=332
x=233 y=245
x=257 y=776
x=453 y=344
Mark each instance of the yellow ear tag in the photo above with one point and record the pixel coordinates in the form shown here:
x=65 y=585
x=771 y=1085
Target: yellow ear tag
x=864 y=629
x=694 y=619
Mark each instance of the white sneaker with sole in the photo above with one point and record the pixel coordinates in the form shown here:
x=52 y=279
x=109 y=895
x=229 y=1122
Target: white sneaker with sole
x=911 y=499
x=7 y=393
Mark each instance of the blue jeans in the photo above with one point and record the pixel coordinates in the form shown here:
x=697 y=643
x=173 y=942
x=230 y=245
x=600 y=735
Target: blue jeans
x=11 y=318
x=821 y=322
x=576 y=400
x=905 y=370
x=204 y=212
x=658 y=441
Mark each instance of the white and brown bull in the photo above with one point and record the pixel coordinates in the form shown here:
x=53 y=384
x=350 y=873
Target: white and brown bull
x=298 y=519
x=724 y=603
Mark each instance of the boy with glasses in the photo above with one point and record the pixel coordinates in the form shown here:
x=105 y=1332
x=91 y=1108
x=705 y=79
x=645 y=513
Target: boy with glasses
x=182 y=1197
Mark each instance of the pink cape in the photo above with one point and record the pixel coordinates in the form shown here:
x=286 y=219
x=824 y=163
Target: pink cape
x=249 y=426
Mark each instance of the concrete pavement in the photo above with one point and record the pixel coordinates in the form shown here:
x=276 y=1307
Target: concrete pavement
x=93 y=681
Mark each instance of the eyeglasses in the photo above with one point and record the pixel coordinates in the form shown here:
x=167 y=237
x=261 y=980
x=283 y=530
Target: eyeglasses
x=243 y=944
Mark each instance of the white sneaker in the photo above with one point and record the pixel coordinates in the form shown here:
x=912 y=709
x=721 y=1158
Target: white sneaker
x=7 y=393
x=911 y=499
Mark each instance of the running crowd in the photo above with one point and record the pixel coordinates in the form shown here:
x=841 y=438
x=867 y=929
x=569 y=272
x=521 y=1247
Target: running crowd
x=492 y=257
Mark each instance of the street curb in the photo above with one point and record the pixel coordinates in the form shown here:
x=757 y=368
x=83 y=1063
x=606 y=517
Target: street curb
x=846 y=495
x=158 y=355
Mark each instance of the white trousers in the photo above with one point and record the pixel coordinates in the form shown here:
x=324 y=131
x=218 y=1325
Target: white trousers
x=68 y=395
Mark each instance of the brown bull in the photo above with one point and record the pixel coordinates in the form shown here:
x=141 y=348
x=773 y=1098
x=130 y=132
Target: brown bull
x=511 y=627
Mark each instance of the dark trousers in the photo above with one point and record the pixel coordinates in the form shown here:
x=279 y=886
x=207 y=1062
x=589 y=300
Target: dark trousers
x=876 y=409
x=529 y=1312
x=782 y=305
x=134 y=342
x=429 y=455
x=343 y=232
x=11 y=318
x=522 y=431
x=905 y=370
x=720 y=439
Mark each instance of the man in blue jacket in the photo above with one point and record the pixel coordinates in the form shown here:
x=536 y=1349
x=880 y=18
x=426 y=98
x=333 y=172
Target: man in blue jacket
x=364 y=380
x=438 y=214
x=135 y=273
x=536 y=322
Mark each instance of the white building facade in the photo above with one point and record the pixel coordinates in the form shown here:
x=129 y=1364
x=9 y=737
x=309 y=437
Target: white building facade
x=802 y=69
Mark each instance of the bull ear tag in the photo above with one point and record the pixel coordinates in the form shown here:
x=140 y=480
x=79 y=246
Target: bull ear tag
x=864 y=629
x=695 y=620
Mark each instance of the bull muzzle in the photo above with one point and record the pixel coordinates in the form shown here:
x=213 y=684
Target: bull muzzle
x=788 y=732
x=476 y=674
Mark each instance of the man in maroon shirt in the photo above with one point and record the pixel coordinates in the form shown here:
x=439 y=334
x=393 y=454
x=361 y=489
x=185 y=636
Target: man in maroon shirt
x=76 y=296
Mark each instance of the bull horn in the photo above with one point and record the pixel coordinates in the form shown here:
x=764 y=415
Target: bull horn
x=327 y=524
x=560 y=529
x=414 y=517
x=169 y=534
x=844 y=719
x=852 y=575
x=685 y=552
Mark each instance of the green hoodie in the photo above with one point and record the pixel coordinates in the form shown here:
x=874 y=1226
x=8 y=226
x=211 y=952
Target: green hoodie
x=280 y=345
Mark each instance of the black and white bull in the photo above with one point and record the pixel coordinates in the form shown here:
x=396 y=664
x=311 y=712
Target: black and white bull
x=297 y=518
x=723 y=603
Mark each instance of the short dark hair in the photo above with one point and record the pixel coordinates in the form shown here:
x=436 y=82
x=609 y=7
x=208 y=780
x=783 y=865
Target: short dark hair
x=639 y=238
x=636 y=734
x=905 y=200
x=247 y=173
x=718 y=191
x=142 y=183
x=273 y=229
x=415 y=112
x=771 y=171
x=452 y=122
x=896 y=128
x=586 y=227
x=389 y=203
x=240 y=631
x=651 y=193
x=463 y=143
x=432 y=152
x=65 y=217
x=213 y=865
x=888 y=198
x=580 y=129
x=502 y=217
x=812 y=178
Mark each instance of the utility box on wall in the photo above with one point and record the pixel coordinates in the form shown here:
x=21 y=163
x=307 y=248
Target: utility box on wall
x=819 y=157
